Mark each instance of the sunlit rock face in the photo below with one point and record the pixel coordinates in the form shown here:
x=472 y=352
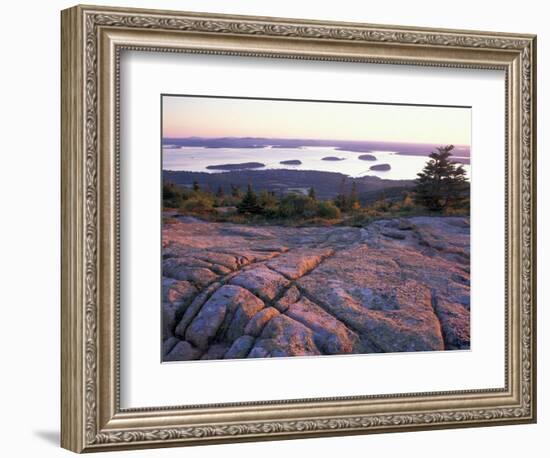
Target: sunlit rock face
x=232 y=291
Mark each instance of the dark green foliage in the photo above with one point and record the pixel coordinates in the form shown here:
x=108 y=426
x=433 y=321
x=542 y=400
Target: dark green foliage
x=297 y=205
x=268 y=203
x=326 y=184
x=442 y=184
x=249 y=203
x=236 y=191
x=173 y=196
x=304 y=207
x=347 y=201
x=341 y=200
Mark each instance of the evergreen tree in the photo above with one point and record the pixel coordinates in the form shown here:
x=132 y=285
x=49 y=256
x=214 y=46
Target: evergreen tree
x=442 y=183
x=196 y=186
x=341 y=200
x=235 y=191
x=171 y=195
x=311 y=193
x=249 y=203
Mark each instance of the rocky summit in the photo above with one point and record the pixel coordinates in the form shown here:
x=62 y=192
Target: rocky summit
x=237 y=291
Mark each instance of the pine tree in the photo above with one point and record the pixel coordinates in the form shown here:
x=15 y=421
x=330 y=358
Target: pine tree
x=196 y=186
x=249 y=203
x=341 y=200
x=235 y=191
x=311 y=193
x=442 y=183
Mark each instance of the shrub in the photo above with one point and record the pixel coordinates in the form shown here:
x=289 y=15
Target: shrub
x=454 y=211
x=236 y=191
x=267 y=199
x=171 y=195
x=227 y=201
x=408 y=202
x=326 y=209
x=198 y=203
x=297 y=205
x=381 y=205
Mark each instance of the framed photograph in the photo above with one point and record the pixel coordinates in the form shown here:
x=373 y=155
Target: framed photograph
x=278 y=228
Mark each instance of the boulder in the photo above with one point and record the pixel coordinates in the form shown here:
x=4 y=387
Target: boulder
x=223 y=259
x=215 y=351
x=177 y=292
x=258 y=352
x=285 y=336
x=455 y=323
x=397 y=235
x=263 y=282
x=240 y=348
x=331 y=336
x=289 y=297
x=243 y=306
x=183 y=351
x=258 y=321
x=176 y=297
x=168 y=319
x=168 y=344
x=231 y=306
x=177 y=269
x=193 y=308
x=297 y=263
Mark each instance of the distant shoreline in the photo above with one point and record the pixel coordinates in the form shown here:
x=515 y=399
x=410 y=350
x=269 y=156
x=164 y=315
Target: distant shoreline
x=359 y=146
x=326 y=184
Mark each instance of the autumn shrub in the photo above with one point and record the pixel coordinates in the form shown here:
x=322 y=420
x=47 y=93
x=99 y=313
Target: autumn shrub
x=327 y=209
x=198 y=203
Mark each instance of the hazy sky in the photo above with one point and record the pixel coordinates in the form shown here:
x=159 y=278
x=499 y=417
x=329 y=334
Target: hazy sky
x=213 y=117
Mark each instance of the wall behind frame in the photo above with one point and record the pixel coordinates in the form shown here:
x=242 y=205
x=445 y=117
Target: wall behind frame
x=29 y=233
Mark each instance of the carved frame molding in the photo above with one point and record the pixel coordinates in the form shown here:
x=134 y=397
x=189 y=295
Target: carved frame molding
x=92 y=39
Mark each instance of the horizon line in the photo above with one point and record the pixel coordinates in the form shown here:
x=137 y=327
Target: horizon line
x=197 y=137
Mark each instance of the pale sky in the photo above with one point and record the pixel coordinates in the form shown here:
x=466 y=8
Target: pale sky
x=215 y=117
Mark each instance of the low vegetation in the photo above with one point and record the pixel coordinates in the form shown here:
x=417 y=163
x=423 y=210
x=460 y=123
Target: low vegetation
x=441 y=188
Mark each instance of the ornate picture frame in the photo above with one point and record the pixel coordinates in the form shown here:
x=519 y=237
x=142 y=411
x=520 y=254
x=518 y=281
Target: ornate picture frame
x=92 y=41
